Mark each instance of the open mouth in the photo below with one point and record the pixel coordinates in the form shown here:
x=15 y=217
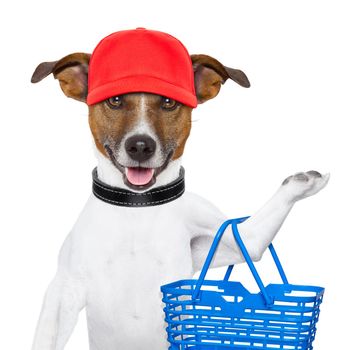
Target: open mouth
x=140 y=176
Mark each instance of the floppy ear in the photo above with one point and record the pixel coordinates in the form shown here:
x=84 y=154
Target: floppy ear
x=210 y=74
x=71 y=71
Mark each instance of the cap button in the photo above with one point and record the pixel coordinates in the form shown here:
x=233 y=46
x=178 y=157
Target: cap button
x=140 y=28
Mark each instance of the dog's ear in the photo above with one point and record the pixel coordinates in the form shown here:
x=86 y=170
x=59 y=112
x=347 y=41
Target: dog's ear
x=210 y=74
x=72 y=73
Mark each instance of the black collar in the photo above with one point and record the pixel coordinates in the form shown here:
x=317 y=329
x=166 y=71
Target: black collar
x=125 y=198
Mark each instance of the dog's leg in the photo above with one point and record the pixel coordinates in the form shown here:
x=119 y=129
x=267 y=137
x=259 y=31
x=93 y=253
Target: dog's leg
x=64 y=299
x=260 y=229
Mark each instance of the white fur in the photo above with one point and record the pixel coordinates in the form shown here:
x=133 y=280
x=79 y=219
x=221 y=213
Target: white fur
x=116 y=258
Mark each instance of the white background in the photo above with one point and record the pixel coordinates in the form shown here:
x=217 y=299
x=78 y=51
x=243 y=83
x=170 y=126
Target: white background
x=243 y=143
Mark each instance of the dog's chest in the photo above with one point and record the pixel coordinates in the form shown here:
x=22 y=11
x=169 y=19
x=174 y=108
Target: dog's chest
x=127 y=254
x=130 y=243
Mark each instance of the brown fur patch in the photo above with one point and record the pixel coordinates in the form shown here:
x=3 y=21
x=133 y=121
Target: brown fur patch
x=111 y=125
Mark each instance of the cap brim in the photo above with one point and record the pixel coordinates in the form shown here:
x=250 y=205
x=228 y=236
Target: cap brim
x=142 y=84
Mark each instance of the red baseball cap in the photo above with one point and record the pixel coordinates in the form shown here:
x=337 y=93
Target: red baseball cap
x=141 y=60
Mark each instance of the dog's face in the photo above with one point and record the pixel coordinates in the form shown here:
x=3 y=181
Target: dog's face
x=140 y=133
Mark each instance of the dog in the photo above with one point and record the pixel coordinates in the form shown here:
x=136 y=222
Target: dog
x=121 y=251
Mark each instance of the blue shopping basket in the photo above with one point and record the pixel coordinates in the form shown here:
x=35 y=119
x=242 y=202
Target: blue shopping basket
x=216 y=315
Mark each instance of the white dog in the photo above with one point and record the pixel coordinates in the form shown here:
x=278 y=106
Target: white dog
x=117 y=256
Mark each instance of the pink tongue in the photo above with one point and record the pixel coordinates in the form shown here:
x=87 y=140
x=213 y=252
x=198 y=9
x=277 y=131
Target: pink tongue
x=139 y=176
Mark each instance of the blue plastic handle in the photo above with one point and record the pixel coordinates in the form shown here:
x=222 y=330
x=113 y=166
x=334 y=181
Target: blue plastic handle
x=219 y=234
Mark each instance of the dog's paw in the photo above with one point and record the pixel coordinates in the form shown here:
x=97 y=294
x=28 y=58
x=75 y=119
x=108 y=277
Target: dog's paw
x=302 y=185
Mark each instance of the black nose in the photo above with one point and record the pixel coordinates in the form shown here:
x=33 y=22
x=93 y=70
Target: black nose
x=140 y=147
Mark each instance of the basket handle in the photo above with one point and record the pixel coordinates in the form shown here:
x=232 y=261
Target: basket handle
x=219 y=234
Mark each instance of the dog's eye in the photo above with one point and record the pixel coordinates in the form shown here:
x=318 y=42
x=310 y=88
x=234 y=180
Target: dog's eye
x=169 y=104
x=114 y=102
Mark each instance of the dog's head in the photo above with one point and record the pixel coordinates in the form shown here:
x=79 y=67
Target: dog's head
x=141 y=134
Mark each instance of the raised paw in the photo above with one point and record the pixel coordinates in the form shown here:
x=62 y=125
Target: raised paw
x=302 y=185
